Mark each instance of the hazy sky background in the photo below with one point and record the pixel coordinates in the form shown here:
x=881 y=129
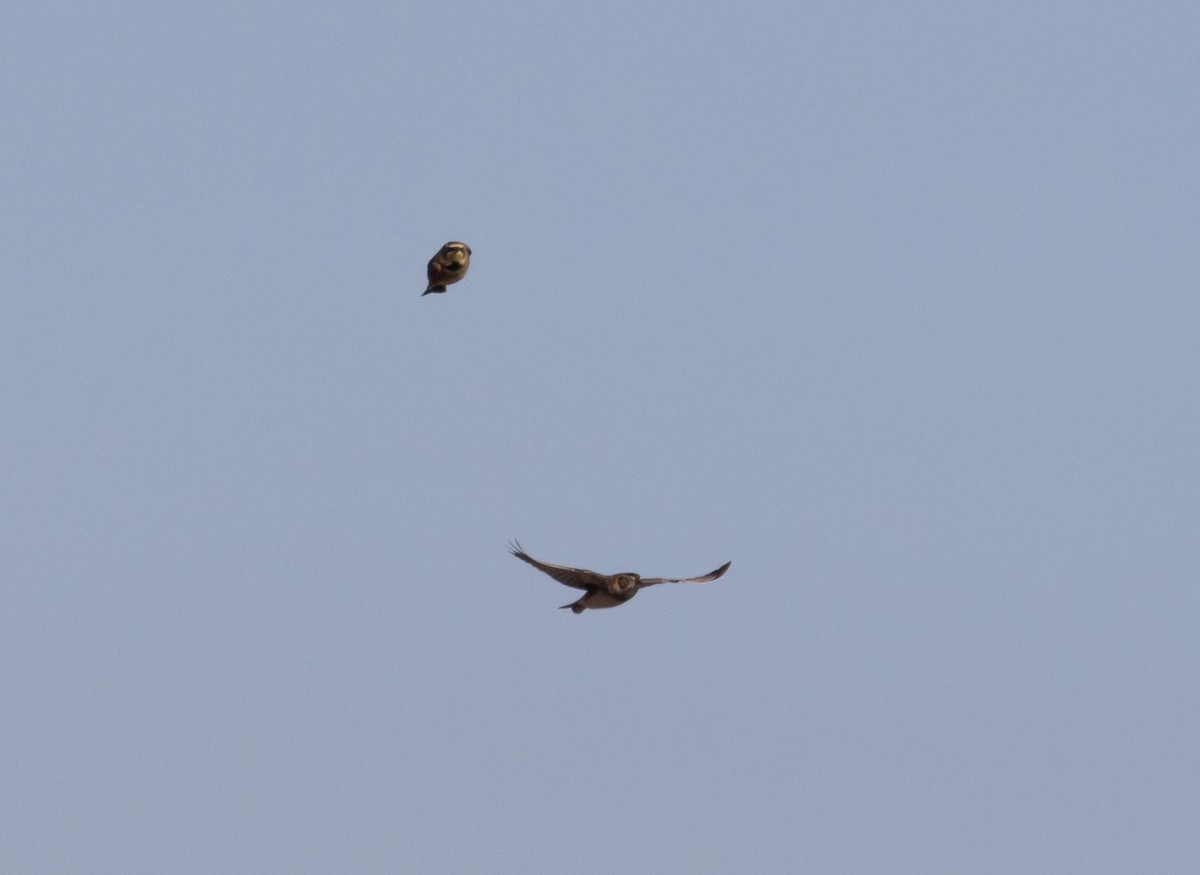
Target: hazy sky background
x=896 y=306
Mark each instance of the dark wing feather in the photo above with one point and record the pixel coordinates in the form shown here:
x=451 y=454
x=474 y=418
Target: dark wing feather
x=435 y=271
x=711 y=576
x=580 y=578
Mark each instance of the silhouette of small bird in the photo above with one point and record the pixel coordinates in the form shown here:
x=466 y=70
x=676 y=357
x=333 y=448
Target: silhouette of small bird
x=448 y=266
x=604 y=590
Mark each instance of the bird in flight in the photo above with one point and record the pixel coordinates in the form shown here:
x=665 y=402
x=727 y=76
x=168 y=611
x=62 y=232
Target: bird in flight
x=448 y=266
x=604 y=590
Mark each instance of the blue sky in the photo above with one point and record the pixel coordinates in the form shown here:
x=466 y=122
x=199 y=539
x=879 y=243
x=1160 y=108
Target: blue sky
x=893 y=306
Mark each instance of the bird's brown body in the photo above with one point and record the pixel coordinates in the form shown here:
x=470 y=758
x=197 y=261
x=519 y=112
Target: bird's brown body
x=447 y=267
x=605 y=590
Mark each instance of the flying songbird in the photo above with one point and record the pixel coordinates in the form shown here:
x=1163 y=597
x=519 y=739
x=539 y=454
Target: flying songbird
x=604 y=590
x=448 y=266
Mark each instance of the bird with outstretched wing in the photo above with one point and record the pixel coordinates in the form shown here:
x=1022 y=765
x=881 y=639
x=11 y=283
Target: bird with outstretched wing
x=604 y=590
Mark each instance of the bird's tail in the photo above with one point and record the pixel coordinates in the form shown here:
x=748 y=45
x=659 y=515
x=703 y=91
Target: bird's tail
x=433 y=289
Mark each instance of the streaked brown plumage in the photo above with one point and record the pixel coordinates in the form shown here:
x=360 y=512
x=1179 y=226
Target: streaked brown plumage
x=448 y=266
x=604 y=590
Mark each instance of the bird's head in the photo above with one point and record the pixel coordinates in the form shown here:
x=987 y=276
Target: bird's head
x=625 y=583
x=455 y=253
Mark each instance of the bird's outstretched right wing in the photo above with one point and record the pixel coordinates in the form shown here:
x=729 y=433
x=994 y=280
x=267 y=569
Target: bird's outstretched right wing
x=580 y=578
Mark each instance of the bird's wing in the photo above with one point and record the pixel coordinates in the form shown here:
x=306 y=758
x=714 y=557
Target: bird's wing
x=711 y=576
x=580 y=578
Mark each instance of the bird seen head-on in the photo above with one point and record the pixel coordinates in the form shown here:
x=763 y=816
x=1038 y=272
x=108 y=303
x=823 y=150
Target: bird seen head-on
x=447 y=267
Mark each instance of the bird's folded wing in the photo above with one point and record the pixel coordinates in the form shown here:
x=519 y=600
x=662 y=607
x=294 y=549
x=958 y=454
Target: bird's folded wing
x=580 y=578
x=711 y=576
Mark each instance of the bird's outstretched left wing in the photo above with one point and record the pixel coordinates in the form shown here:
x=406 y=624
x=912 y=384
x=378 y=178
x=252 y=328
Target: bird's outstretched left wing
x=708 y=578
